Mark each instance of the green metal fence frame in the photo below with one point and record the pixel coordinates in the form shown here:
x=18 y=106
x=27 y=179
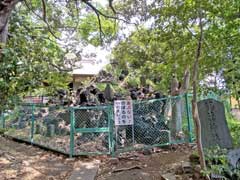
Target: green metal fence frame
x=109 y=129
x=2 y=119
x=189 y=117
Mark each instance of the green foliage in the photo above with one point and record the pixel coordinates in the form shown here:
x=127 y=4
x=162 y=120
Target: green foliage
x=89 y=30
x=234 y=127
x=32 y=61
x=2 y=130
x=216 y=158
x=120 y=90
x=27 y=58
x=217 y=163
x=169 y=45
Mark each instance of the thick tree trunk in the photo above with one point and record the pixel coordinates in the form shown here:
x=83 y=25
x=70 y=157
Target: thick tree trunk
x=6 y=7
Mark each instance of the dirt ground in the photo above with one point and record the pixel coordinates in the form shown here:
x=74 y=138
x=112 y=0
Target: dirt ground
x=24 y=162
x=147 y=165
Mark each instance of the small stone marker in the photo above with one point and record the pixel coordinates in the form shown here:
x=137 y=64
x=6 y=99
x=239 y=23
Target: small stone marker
x=234 y=158
x=214 y=127
x=50 y=130
x=108 y=93
x=38 y=129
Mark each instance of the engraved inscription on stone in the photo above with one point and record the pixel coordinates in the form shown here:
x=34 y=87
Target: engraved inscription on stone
x=214 y=127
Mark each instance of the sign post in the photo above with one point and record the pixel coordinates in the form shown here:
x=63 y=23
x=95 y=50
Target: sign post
x=123 y=114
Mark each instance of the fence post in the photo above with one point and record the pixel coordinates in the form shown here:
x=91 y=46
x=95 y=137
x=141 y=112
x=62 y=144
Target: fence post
x=3 y=121
x=33 y=119
x=110 y=126
x=72 y=121
x=188 y=117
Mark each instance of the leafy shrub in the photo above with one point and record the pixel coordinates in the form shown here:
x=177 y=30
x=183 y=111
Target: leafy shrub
x=234 y=127
x=217 y=163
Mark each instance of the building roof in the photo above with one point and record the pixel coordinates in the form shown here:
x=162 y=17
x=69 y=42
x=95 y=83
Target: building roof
x=90 y=65
x=88 y=68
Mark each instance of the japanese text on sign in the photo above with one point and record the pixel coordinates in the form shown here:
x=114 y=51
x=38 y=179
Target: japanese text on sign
x=123 y=111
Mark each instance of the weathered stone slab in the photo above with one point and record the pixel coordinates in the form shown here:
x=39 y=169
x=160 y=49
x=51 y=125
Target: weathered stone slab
x=214 y=130
x=168 y=176
x=234 y=158
x=85 y=170
x=50 y=130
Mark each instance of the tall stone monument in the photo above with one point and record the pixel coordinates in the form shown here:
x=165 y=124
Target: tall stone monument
x=214 y=127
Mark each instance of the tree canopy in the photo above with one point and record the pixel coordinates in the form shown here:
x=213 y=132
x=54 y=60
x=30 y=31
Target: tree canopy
x=161 y=43
x=167 y=45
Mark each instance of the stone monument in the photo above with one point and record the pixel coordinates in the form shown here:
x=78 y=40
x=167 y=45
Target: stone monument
x=214 y=127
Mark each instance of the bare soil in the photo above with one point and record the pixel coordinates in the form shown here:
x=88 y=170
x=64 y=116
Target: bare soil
x=137 y=166
x=20 y=161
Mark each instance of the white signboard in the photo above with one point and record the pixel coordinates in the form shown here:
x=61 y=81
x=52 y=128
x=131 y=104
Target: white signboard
x=123 y=111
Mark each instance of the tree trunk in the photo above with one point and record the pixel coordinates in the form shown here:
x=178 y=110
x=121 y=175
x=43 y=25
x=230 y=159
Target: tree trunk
x=238 y=101
x=176 y=125
x=177 y=107
x=194 y=100
x=6 y=7
x=4 y=33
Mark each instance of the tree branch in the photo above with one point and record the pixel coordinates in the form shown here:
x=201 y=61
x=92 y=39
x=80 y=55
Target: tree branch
x=111 y=6
x=44 y=10
x=100 y=28
x=102 y=14
x=41 y=18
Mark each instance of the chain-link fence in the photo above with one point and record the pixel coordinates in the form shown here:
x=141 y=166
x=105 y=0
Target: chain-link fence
x=46 y=126
x=52 y=127
x=19 y=122
x=2 y=121
x=156 y=122
x=91 y=129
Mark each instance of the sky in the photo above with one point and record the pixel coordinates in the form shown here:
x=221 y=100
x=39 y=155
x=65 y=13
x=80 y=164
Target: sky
x=103 y=54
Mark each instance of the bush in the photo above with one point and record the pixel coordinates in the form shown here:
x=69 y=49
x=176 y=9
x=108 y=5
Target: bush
x=234 y=127
x=217 y=164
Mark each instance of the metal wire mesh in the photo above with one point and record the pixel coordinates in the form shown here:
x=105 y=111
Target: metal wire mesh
x=156 y=122
x=91 y=118
x=2 y=121
x=92 y=130
x=41 y=125
x=52 y=127
x=18 y=123
x=149 y=128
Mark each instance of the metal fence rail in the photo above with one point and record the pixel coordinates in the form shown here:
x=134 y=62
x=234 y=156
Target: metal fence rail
x=91 y=131
x=46 y=126
x=154 y=124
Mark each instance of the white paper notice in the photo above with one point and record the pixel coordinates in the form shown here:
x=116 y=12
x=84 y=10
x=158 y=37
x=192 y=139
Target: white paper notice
x=123 y=111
